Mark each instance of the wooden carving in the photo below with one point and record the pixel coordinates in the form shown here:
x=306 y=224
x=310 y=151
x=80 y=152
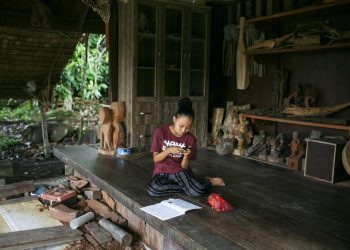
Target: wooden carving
x=231 y=125
x=118 y=133
x=241 y=59
x=106 y=116
x=112 y=133
x=298 y=148
x=314 y=111
x=244 y=137
x=218 y=114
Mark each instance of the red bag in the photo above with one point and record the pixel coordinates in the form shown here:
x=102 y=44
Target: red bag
x=218 y=203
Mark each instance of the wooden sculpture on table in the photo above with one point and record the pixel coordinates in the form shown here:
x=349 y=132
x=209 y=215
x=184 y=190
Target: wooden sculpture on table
x=118 y=130
x=112 y=132
x=106 y=117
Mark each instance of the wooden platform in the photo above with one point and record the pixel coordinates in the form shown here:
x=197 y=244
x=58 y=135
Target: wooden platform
x=276 y=208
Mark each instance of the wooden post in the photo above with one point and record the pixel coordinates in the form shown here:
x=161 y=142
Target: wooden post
x=45 y=135
x=112 y=36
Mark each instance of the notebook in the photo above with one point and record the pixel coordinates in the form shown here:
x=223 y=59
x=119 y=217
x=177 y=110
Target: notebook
x=170 y=208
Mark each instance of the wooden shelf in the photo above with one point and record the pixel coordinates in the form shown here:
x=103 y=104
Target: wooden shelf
x=305 y=10
x=148 y=68
x=296 y=49
x=296 y=122
x=147 y=35
x=173 y=69
x=197 y=40
x=174 y=38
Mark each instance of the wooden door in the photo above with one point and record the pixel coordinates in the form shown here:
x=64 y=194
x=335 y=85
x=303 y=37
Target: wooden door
x=146 y=121
x=146 y=93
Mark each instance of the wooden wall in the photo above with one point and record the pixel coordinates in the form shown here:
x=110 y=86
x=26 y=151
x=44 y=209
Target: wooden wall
x=327 y=70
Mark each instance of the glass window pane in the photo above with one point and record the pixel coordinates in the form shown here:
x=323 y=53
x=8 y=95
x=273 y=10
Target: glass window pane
x=173 y=52
x=146 y=19
x=198 y=52
x=198 y=25
x=146 y=48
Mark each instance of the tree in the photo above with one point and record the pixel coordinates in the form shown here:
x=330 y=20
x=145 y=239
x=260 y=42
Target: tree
x=86 y=74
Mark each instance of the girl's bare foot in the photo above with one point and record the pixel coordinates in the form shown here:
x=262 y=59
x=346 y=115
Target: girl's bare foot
x=216 y=181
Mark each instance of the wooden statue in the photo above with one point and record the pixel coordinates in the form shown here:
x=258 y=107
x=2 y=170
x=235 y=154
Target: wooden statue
x=112 y=133
x=118 y=130
x=218 y=115
x=231 y=125
x=106 y=116
x=298 y=148
x=244 y=137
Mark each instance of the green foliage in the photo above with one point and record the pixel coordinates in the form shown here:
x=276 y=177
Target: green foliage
x=60 y=115
x=7 y=142
x=86 y=74
x=25 y=111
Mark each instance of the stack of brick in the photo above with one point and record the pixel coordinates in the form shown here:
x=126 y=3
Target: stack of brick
x=91 y=199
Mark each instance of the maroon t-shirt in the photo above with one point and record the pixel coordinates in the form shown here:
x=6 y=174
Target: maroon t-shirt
x=162 y=139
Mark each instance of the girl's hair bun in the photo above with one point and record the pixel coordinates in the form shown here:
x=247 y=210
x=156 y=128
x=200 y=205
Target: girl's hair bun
x=185 y=108
x=185 y=103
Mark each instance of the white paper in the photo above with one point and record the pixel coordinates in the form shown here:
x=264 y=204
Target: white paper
x=170 y=208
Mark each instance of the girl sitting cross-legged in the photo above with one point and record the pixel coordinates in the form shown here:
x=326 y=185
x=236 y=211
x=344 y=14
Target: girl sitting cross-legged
x=173 y=147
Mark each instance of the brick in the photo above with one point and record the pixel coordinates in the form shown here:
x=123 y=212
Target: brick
x=109 y=201
x=79 y=184
x=73 y=178
x=93 y=194
x=58 y=194
x=99 y=208
x=77 y=174
x=118 y=219
x=100 y=234
x=63 y=213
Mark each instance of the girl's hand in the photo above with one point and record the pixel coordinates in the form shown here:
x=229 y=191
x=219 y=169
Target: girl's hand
x=175 y=150
x=186 y=152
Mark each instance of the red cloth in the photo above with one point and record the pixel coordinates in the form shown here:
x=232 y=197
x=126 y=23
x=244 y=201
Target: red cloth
x=218 y=203
x=162 y=139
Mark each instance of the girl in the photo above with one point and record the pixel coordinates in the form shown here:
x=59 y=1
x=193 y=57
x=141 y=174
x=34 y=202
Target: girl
x=173 y=147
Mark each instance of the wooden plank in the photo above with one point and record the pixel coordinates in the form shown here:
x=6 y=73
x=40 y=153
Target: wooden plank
x=16 y=188
x=100 y=234
x=272 y=203
x=310 y=124
x=38 y=237
x=308 y=9
x=296 y=49
x=18 y=200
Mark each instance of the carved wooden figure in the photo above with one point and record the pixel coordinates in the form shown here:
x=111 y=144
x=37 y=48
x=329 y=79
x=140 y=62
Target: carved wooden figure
x=106 y=116
x=298 y=148
x=244 y=137
x=218 y=114
x=231 y=125
x=118 y=130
